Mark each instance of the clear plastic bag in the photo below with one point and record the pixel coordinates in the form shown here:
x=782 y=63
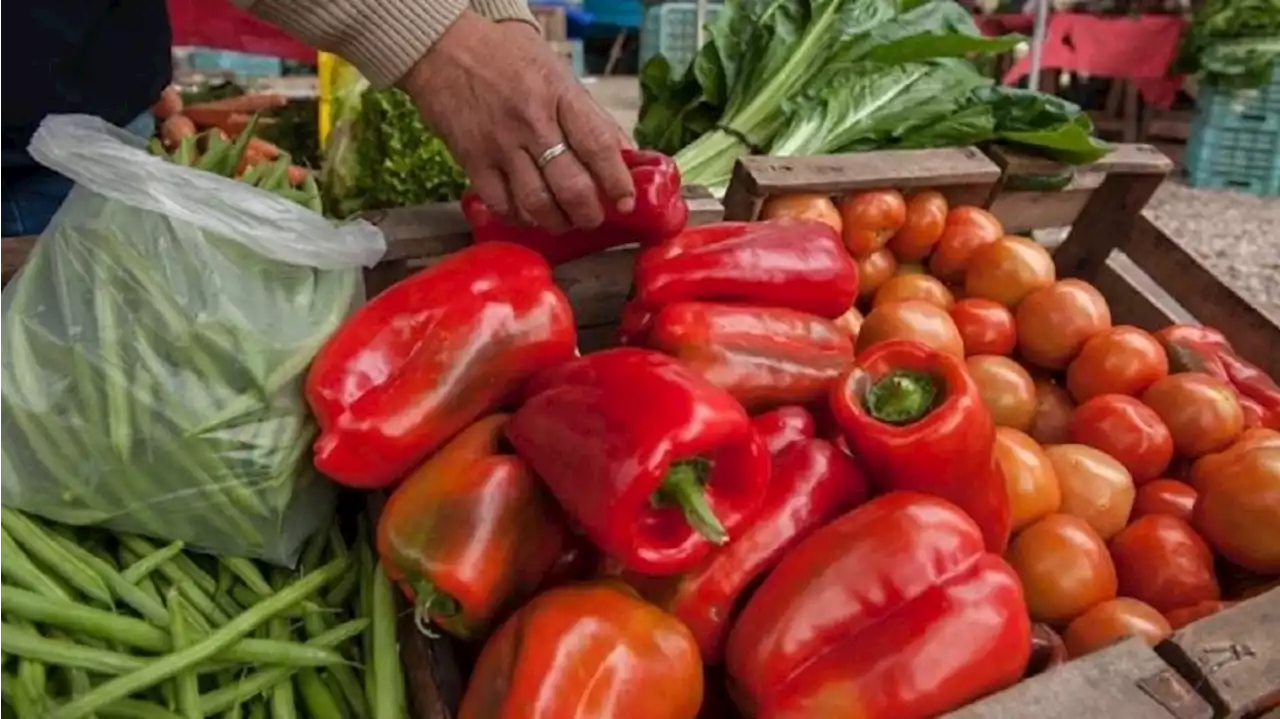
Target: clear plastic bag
x=155 y=344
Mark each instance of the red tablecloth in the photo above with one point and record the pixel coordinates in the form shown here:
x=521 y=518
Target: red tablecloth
x=221 y=25
x=1135 y=49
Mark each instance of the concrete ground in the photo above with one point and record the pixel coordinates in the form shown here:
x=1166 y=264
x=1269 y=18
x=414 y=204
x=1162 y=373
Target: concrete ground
x=1236 y=234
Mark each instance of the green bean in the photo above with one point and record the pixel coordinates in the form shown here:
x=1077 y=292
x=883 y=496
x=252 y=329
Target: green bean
x=364 y=608
x=134 y=709
x=111 y=359
x=195 y=584
x=43 y=547
x=248 y=573
x=29 y=692
x=127 y=591
x=341 y=592
x=19 y=568
x=186 y=683
x=282 y=700
x=31 y=645
x=260 y=681
x=236 y=629
x=78 y=680
x=389 y=698
x=151 y=561
x=320 y=702
x=312 y=552
x=258 y=710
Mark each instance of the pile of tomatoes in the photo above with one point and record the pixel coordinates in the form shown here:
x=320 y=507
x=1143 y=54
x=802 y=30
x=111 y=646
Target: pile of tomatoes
x=1141 y=498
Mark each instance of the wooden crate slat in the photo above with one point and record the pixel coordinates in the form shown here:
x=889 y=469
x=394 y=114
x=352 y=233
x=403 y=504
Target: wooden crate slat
x=1233 y=657
x=1126 y=681
x=597 y=286
x=1106 y=223
x=1126 y=159
x=1134 y=298
x=1211 y=301
x=964 y=170
x=1021 y=210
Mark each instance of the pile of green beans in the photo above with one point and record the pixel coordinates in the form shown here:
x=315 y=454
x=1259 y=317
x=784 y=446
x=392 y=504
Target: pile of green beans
x=97 y=624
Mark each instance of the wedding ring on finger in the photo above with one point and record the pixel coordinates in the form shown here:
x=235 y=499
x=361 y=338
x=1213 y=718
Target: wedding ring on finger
x=550 y=154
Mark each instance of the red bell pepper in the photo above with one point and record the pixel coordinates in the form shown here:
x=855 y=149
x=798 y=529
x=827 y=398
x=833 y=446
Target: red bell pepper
x=429 y=356
x=915 y=421
x=634 y=324
x=797 y=264
x=784 y=427
x=651 y=461
x=471 y=532
x=893 y=611
x=1193 y=348
x=811 y=484
x=763 y=356
x=660 y=212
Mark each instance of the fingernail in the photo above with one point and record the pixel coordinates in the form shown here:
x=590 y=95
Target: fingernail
x=626 y=205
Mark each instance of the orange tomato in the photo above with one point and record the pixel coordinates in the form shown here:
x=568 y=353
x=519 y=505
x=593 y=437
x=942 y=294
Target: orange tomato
x=1095 y=487
x=1028 y=477
x=1126 y=429
x=871 y=218
x=1201 y=412
x=911 y=320
x=1238 y=511
x=1182 y=616
x=850 y=323
x=1121 y=360
x=1250 y=438
x=967 y=229
x=1006 y=388
x=985 y=326
x=1052 y=419
x=1008 y=269
x=1165 y=496
x=1054 y=322
x=873 y=271
x=1064 y=567
x=1162 y=561
x=926 y=216
x=901 y=288
x=803 y=206
x=1113 y=621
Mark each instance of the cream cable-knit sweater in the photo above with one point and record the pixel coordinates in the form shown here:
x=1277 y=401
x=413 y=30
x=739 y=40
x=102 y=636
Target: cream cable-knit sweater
x=383 y=38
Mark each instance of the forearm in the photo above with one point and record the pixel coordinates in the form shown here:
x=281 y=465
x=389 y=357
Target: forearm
x=383 y=38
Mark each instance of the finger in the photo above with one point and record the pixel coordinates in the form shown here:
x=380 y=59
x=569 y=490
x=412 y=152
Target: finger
x=574 y=191
x=594 y=139
x=533 y=199
x=492 y=188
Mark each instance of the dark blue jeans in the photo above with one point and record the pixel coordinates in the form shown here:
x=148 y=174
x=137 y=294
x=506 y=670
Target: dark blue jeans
x=32 y=193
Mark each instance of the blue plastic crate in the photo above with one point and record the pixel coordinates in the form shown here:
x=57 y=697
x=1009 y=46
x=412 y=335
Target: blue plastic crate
x=616 y=13
x=241 y=63
x=671 y=30
x=1235 y=140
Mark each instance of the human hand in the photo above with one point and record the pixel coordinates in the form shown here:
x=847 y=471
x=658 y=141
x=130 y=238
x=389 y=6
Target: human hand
x=503 y=103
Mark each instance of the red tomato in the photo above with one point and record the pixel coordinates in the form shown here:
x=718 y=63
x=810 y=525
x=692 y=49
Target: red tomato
x=1008 y=269
x=1162 y=561
x=1165 y=496
x=1126 y=429
x=926 y=216
x=985 y=326
x=911 y=320
x=967 y=229
x=1054 y=322
x=1238 y=511
x=1213 y=463
x=1006 y=388
x=1028 y=477
x=1064 y=567
x=803 y=206
x=1121 y=360
x=1113 y=621
x=871 y=218
x=873 y=271
x=901 y=288
x=1095 y=487
x=1200 y=411
x=1053 y=414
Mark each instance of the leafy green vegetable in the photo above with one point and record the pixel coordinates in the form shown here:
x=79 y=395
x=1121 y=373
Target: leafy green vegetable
x=1232 y=44
x=819 y=76
x=380 y=155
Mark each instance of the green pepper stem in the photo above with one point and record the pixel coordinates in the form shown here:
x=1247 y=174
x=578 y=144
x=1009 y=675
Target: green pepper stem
x=429 y=600
x=683 y=487
x=902 y=397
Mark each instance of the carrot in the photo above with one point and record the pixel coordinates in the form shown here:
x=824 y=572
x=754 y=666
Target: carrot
x=249 y=104
x=169 y=104
x=250 y=159
x=298 y=175
x=266 y=149
x=175 y=128
x=232 y=122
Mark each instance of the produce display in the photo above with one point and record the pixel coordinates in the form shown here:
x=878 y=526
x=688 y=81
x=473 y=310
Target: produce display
x=812 y=77
x=1232 y=44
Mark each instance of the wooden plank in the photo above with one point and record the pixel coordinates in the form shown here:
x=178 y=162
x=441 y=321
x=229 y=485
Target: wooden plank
x=597 y=286
x=1124 y=159
x=1233 y=657
x=1134 y=298
x=1212 y=302
x=13 y=253
x=1107 y=221
x=964 y=174
x=593 y=339
x=1021 y=210
x=432 y=678
x=1125 y=681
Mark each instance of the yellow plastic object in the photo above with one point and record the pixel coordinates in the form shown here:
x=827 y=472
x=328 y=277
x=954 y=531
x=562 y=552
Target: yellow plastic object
x=325 y=69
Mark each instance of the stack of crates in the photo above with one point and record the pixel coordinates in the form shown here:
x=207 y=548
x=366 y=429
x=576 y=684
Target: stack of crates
x=671 y=30
x=1235 y=140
